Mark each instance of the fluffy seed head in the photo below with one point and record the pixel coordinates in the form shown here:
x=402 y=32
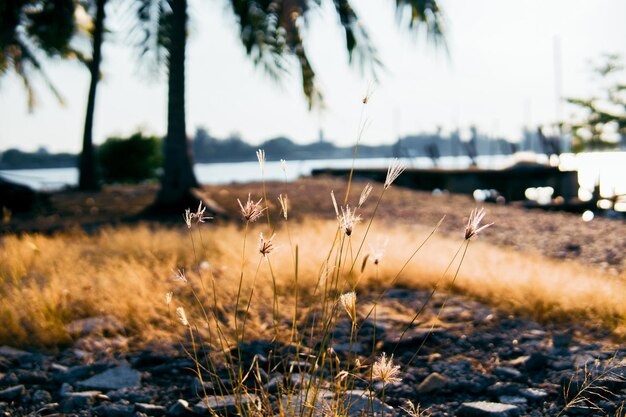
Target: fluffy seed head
x=393 y=172
x=377 y=252
x=265 y=245
x=251 y=211
x=260 y=154
x=188 y=217
x=199 y=214
x=182 y=316
x=332 y=196
x=385 y=371
x=284 y=204
x=365 y=193
x=168 y=298
x=283 y=165
x=348 y=219
x=473 y=227
x=348 y=301
x=180 y=276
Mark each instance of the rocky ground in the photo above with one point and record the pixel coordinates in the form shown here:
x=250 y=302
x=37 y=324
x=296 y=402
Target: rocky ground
x=475 y=362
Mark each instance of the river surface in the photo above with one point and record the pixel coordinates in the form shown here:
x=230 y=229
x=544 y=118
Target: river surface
x=607 y=168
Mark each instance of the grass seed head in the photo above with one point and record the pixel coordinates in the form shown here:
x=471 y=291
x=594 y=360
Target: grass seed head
x=365 y=193
x=260 y=154
x=199 y=214
x=348 y=301
x=180 y=276
x=168 y=298
x=251 y=211
x=182 y=316
x=348 y=219
x=188 y=217
x=393 y=172
x=385 y=371
x=284 y=205
x=265 y=245
x=473 y=227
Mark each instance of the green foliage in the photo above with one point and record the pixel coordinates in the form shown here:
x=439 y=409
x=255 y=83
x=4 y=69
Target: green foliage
x=134 y=159
x=604 y=125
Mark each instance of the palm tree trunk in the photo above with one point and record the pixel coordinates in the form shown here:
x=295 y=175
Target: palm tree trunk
x=88 y=177
x=178 y=176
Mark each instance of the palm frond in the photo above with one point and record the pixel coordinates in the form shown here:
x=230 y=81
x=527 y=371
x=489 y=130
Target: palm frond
x=427 y=13
x=148 y=30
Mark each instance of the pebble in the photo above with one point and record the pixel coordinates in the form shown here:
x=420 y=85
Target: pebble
x=433 y=382
x=113 y=379
x=487 y=409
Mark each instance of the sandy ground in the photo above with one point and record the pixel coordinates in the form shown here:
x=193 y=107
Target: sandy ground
x=601 y=242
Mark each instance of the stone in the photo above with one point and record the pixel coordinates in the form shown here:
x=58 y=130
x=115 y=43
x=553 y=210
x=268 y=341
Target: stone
x=503 y=388
x=533 y=394
x=32 y=377
x=41 y=396
x=561 y=340
x=113 y=379
x=297 y=404
x=80 y=400
x=179 y=408
x=12 y=353
x=358 y=402
x=150 y=409
x=226 y=404
x=513 y=400
x=102 y=325
x=115 y=410
x=487 y=409
x=507 y=373
x=73 y=374
x=536 y=361
x=433 y=382
x=12 y=393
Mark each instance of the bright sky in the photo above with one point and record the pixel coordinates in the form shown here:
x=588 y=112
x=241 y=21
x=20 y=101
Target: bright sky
x=500 y=75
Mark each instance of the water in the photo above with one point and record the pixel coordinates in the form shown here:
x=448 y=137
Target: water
x=609 y=168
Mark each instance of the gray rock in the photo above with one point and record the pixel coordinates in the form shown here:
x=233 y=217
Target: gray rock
x=536 y=361
x=150 y=409
x=41 y=397
x=513 y=400
x=359 y=402
x=503 y=388
x=561 y=340
x=80 y=400
x=179 y=408
x=507 y=373
x=533 y=394
x=73 y=374
x=433 y=382
x=32 y=377
x=12 y=393
x=487 y=409
x=113 y=379
x=294 y=405
x=12 y=353
x=115 y=410
x=226 y=404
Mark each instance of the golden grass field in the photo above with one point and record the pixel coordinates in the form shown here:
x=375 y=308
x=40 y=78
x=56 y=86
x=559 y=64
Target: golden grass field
x=48 y=281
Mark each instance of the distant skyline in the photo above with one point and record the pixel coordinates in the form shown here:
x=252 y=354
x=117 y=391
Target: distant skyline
x=500 y=75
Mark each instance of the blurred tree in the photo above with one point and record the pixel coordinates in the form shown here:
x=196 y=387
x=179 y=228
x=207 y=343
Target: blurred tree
x=134 y=159
x=88 y=174
x=604 y=124
x=271 y=32
x=31 y=30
